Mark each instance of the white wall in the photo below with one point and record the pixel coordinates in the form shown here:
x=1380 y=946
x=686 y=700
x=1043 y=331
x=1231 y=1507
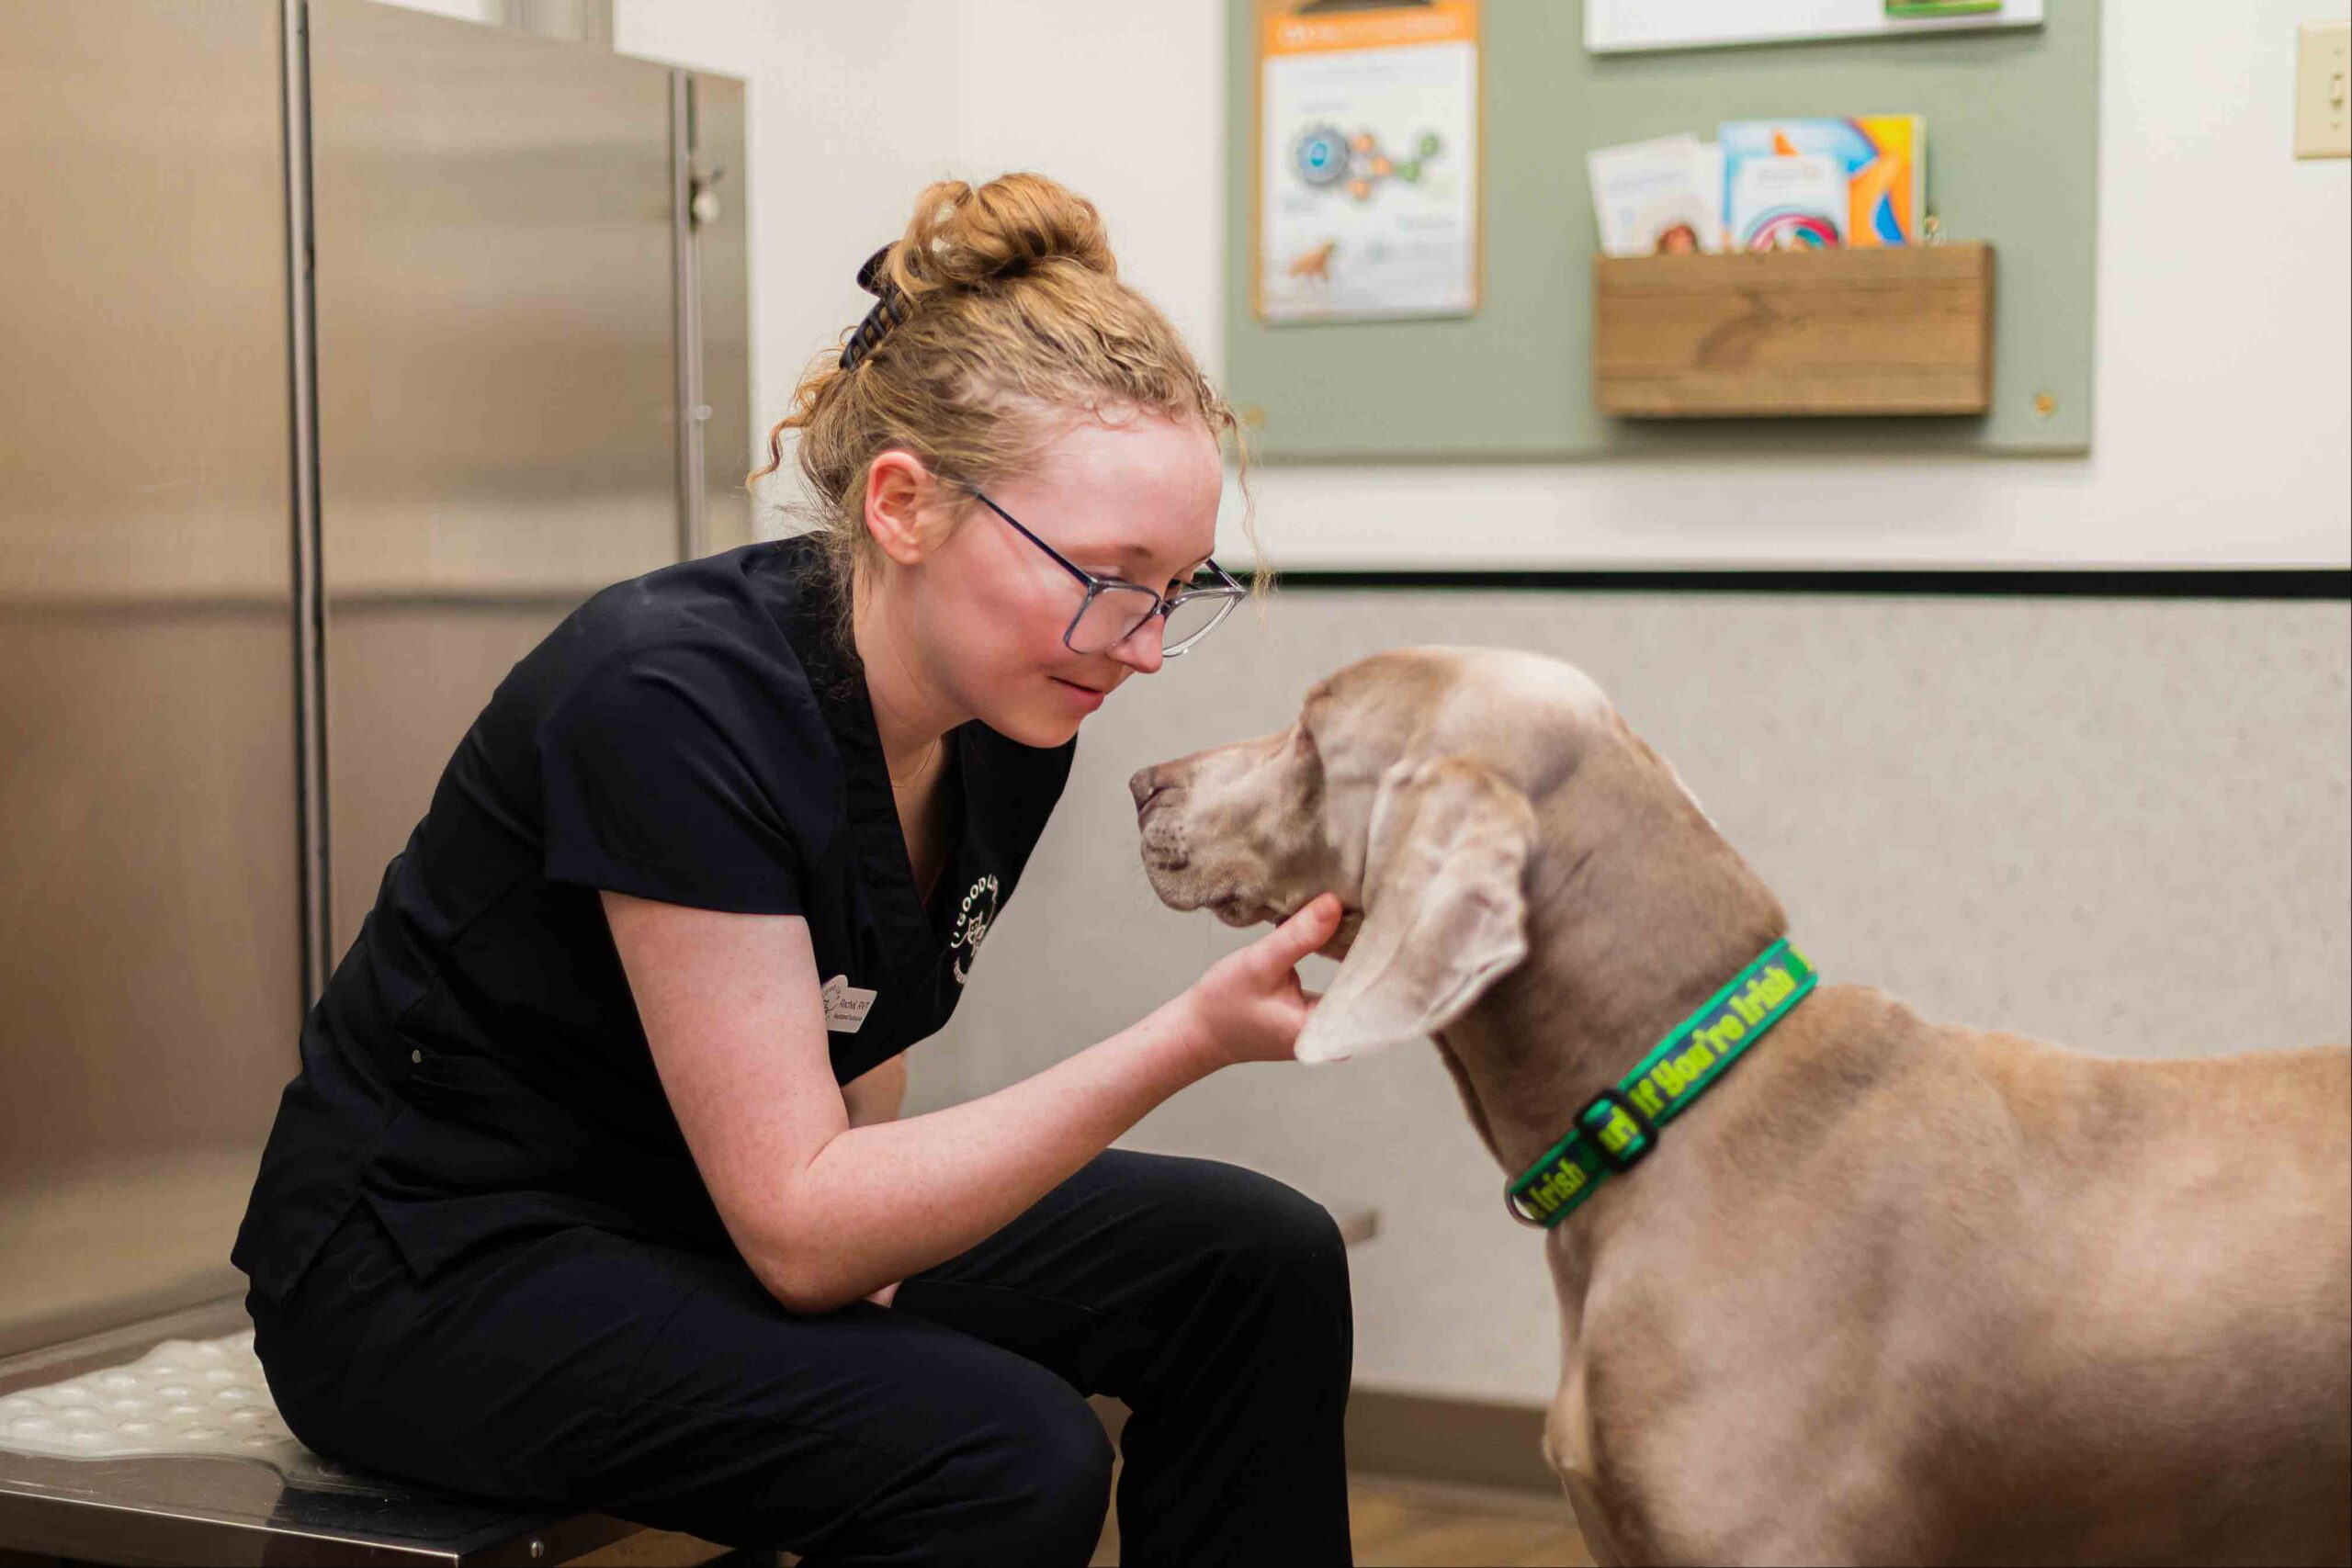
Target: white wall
x=2224 y=334
x=1124 y=103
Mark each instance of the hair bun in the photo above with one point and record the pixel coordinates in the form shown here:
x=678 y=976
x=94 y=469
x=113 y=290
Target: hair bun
x=967 y=236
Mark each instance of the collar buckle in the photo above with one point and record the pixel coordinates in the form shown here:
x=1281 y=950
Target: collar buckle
x=1621 y=1127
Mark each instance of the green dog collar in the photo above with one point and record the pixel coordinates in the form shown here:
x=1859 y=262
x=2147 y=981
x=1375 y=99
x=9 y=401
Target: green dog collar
x=1618 y=1126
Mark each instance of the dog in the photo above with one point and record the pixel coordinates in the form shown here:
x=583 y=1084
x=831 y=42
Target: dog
x=1889 y=1290
x=1315 y=264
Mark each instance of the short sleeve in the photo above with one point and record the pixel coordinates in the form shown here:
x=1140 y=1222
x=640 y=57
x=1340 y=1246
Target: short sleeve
x=658 y=778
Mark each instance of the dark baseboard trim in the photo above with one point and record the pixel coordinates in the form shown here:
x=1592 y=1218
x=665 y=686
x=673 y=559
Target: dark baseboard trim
x=1466 y=1441
x=2056 y=583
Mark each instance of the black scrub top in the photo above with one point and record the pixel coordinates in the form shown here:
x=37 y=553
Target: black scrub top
x=475 y=1067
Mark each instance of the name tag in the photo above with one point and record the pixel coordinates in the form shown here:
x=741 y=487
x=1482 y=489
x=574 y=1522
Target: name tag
x=846 y=1006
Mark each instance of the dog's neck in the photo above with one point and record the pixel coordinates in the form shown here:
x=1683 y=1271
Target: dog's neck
x=1638 y=912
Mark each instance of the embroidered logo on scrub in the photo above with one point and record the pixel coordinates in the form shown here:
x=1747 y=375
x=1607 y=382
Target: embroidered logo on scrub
x=846 y=1006
x=972 y=920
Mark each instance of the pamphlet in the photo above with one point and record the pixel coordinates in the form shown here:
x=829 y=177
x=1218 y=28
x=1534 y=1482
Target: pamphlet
x=1657 y=197
x=1883 y=159
x=1791 y=202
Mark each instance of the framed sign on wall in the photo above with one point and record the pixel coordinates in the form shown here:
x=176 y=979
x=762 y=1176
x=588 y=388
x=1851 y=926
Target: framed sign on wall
x=1366 y=163
x=1618 y=26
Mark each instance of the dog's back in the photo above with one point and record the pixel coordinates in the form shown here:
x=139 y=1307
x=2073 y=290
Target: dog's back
x=2014 y=1302
x=2178 y=1307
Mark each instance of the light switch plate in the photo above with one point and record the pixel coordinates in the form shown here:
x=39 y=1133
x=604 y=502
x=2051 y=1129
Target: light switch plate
x=2323 y=70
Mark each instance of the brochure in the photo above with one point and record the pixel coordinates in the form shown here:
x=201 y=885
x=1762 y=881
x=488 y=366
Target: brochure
x=1657 y=197
x=1884 y=161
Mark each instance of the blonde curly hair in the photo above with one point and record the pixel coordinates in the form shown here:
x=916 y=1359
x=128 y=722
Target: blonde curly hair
x=1008 y=320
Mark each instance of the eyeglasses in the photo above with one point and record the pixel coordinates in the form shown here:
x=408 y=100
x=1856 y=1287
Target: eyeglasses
x=1115 y=611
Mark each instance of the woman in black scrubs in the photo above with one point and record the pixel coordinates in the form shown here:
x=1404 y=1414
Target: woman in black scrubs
x=591 y=1192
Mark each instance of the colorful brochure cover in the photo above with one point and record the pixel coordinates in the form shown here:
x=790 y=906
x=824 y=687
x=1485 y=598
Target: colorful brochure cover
x=1787 y=202
x=1884 y=158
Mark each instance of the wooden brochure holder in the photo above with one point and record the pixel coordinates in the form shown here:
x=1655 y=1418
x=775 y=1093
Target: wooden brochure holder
x=1904 y=331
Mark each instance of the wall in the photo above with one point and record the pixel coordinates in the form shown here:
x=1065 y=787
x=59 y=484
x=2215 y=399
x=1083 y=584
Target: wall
x=2225 y=385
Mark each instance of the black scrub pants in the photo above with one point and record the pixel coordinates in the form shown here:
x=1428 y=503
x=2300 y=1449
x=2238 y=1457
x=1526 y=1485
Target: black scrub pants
x=580 y=1368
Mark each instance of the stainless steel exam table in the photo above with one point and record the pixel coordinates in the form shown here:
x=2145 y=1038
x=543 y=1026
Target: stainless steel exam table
x=185 y=1508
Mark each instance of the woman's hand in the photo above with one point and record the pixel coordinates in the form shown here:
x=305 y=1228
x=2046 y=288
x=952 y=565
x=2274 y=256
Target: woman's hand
x=826 y=1213
x=1249 y=1007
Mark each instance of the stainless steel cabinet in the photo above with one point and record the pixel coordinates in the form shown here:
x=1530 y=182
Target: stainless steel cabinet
x=498 y=411
x=150 y=950
x=487 y=298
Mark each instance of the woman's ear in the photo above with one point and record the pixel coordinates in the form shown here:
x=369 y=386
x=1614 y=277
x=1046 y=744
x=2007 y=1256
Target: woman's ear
x=898 y=493
x=1445 y=913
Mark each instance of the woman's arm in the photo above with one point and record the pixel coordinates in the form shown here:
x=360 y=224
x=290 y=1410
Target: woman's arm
x=826 y=1213
x=876 y=1094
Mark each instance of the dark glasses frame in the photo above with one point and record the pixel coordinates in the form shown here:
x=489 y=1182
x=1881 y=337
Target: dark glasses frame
x=1224 y=589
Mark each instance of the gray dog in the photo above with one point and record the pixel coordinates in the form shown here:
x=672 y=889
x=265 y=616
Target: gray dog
x=1893 y=1291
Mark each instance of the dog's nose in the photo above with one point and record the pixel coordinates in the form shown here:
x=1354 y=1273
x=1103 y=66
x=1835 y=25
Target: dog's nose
x=1144 y=785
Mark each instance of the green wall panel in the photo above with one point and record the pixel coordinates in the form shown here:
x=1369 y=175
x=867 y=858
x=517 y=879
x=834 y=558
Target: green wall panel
x=2012 y=158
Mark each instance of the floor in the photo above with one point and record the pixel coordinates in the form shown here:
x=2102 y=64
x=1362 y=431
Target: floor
x=1395 y=1521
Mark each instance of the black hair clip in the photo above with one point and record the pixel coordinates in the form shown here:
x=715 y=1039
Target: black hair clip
x=889 y=309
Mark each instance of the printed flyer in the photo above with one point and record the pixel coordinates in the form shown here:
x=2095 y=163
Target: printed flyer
x=1367 y=162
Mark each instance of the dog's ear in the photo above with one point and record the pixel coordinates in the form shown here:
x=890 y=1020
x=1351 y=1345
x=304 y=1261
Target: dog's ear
x=1445 y=913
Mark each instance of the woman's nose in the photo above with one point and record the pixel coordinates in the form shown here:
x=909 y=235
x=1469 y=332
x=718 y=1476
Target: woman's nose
x=1140 y=651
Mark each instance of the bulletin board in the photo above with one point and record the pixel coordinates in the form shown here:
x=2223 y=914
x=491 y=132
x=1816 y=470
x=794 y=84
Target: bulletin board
x=2012 y=137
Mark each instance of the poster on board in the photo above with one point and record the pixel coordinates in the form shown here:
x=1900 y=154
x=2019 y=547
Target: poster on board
x=1622 y=25
x=1368 y=149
